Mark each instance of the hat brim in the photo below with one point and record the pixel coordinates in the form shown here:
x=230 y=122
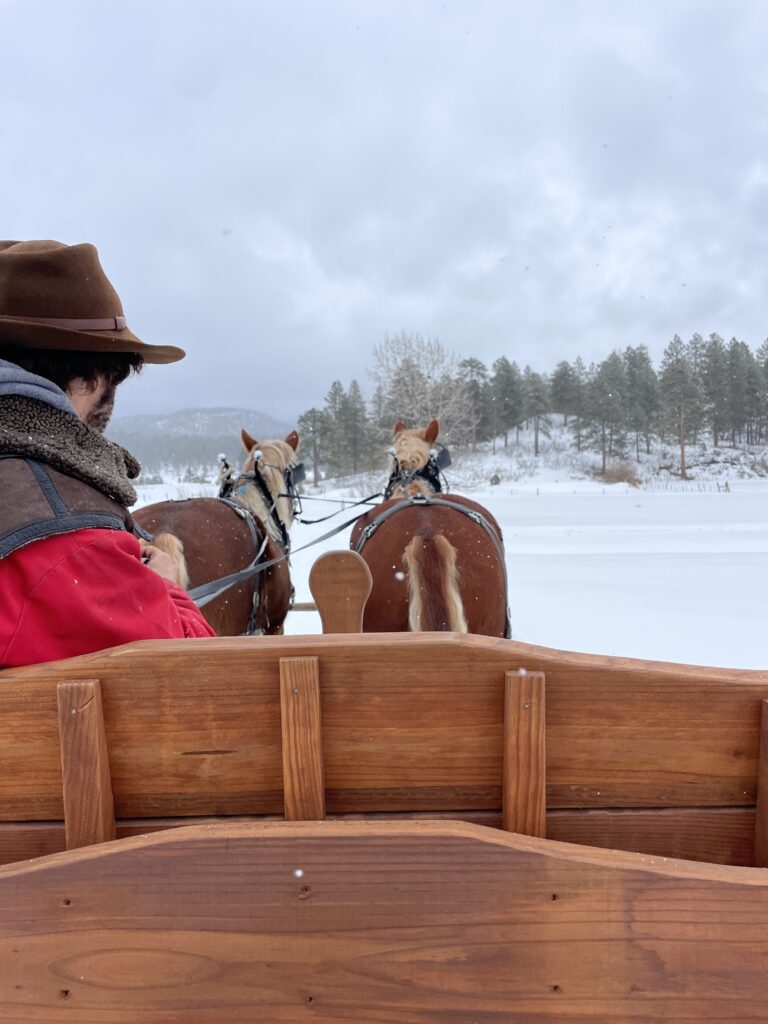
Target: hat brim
x=37 y=335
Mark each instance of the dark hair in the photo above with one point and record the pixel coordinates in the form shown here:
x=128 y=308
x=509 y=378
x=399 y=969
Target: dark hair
x=63 y=367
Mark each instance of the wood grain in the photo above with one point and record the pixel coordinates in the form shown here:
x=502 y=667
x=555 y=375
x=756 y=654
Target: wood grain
x=715 y=835
x=340 y=582
x=761 y=814
x=303 y=779
x=408 y=924
x=89 y=812
x=524 y=802
x=409 y=722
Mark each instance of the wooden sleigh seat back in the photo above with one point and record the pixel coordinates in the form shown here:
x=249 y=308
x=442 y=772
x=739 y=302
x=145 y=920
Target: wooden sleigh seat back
x=639 y=756
x=370 y=922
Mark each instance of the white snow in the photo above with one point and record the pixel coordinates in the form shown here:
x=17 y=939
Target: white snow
x=672 y=575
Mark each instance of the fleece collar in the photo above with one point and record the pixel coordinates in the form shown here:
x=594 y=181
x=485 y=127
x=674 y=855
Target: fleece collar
x=35 y=429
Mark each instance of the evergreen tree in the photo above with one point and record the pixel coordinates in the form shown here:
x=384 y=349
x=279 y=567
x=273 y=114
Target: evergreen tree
x=679 y=393
x=716 y=386
x=564 y=389
x=608 y=406
x=507 y=396
x=642 y=395
x=358 y=436
x=473 y=375
x=335 y=408
x=314 y=427
x=536 y=402
x=696 y=352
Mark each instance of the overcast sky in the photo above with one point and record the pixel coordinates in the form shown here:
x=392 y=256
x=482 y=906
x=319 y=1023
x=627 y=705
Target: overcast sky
x=274 y=186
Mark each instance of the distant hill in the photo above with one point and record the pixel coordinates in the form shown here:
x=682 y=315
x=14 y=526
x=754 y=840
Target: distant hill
x=192 y=438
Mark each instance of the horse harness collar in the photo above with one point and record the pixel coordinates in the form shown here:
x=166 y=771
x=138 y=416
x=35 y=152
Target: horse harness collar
x=424 y=501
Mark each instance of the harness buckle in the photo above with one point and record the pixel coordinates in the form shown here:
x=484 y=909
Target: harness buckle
x=475 y=516
x=420 y=499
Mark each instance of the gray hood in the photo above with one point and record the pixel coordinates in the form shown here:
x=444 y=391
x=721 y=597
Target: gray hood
x=15 y=381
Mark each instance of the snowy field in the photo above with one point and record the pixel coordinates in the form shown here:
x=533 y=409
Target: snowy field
x=668 y=575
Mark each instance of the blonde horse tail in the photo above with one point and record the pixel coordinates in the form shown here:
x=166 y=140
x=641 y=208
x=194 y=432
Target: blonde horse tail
x=172 y=546
x=434 y=601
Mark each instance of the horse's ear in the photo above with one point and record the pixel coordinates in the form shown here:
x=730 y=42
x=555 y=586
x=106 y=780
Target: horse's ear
x=399 y=428
x=248 y=442
x=293 y=440
x=433 y=429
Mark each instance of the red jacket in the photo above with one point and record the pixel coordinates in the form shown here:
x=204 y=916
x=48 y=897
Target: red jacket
x=82 y=592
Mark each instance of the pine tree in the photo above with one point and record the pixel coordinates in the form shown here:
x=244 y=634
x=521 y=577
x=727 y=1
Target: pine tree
x=716 y=386
x=335 y=409
x=507 y=396
x=314 y=427
x=473 y=375
x=679 y=393
x=642 y=395
x=564 y=389
x=608 y=406
x=536 y=402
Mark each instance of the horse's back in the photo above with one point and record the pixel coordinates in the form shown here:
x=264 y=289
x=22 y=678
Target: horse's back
x=479 y=562
x=218 y=541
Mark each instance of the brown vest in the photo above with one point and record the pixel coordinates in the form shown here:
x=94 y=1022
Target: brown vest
x=37 y=501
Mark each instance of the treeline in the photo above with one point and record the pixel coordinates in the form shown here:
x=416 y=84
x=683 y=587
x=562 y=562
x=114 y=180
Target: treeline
x=702 y=388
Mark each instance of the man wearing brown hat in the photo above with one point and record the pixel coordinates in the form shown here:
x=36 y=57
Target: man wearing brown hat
x=74 y=577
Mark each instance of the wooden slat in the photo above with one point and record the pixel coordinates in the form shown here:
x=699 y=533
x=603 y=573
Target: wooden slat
x=408 y=924
x=524 y=794
x=714 y=835
x=194 y=727
x=341 y=582
x=302 y=739
x=761 y=816
x=89 y=812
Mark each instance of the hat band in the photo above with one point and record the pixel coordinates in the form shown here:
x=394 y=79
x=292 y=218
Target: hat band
x=112 y=323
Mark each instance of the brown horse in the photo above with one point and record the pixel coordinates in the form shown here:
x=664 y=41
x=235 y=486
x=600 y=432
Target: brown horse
x=450 y=548
x=211 y=538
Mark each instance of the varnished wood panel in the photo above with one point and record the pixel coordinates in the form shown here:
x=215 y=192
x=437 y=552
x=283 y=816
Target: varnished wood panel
x=761 y=816
x=409 y=723
x=340 y=582
x=303 y=783
x=524 y=764
x=408 y=924
x=713 y=835
x=89 y=811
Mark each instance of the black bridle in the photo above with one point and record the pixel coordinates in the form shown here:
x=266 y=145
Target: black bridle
x=293 y=476
x=431 y=472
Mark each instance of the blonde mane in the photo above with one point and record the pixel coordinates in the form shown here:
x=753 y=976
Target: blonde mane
x=274 y=458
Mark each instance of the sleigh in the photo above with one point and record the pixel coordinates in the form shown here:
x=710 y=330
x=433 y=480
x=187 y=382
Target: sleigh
x=384 y=827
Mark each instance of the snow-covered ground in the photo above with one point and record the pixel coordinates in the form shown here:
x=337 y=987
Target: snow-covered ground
x=675 y=575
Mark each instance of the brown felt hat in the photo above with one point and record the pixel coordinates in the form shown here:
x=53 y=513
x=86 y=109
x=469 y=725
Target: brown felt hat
x=57 y=296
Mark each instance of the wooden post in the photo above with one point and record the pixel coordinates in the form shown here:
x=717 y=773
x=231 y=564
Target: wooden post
x=524 y=800
x=761 y=815
x=303 y=781
x=340 y=582
x=89 y=810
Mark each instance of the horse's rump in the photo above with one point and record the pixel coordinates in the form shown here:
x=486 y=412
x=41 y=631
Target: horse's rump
x=478 y=570
x=216 y=542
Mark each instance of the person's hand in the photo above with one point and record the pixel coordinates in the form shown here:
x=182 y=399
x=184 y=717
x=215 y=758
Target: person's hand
x=158 y=561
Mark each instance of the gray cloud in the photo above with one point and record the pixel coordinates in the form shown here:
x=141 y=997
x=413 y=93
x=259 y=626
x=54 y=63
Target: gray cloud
x=275 y=186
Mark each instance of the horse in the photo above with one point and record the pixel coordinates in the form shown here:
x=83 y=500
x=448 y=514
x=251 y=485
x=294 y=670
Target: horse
x=450 y=547
x=209 y=538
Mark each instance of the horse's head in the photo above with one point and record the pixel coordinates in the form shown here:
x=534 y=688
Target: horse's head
x=269 y=463
x=410 y=453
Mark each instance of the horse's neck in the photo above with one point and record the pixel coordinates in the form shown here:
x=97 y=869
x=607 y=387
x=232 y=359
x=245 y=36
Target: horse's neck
x=256 y=502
